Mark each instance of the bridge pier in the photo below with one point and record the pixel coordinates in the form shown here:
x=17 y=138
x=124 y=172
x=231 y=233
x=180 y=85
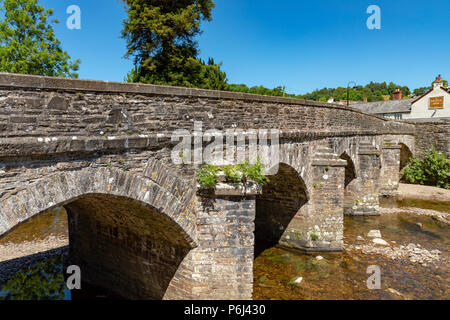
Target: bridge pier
x=222 y=264
x=319 y=225
x=363 y=194
x=390 y=167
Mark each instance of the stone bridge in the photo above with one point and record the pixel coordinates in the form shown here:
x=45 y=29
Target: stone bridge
x=138 y=224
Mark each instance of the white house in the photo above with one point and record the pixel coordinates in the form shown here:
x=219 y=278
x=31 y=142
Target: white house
x=433 y=104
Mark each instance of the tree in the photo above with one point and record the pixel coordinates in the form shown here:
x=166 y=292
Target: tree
x=28 y=43
x=421 y=91
x=160 y=36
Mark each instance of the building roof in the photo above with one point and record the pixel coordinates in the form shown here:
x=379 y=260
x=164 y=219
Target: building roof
x=446 y=89
x=382 y=107
x=443 y=119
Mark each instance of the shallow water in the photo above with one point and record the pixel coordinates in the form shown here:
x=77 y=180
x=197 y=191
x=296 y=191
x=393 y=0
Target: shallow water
x=344 y=275
x=337 y=276
x=50 y=223
x=388 y=202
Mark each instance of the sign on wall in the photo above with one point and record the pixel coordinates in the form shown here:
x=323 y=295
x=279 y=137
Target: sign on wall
x=437 y=102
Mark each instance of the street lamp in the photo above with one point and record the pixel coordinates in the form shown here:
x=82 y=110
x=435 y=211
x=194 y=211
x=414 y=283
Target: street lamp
x=348 y=88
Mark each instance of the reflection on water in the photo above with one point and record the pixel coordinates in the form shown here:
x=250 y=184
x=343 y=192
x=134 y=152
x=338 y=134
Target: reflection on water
x=43 y=281
x=336 y=276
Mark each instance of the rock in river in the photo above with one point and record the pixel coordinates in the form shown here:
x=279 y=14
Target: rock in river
x=374 y=234
x=380 y=242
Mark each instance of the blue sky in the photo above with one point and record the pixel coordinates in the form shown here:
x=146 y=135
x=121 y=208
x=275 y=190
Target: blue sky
x=303 y=45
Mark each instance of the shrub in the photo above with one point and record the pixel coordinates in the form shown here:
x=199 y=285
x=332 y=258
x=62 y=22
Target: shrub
x=254 y=172
x=207 y=175
x=314 y=236
x=432 y=170
x=241 y=173
x=232 y=174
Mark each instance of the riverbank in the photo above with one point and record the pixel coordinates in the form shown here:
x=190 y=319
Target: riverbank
x=427 y=193
x=16 y=256
x=419 y=200
x=10 y=250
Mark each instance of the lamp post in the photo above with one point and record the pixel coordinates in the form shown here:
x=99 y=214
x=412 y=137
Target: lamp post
x=348 y=88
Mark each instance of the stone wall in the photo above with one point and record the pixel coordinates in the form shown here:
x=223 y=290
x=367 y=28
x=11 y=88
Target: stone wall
x=430 y=134
x=43 y=107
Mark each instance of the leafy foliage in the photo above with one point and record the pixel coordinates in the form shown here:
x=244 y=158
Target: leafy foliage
x=207 y=176
x=232 y=174
x=372 y=91
x=160 y=37
x=433 y=170
x=42 y=281
x=421 y=91
x=28 y=43
x=254 y=172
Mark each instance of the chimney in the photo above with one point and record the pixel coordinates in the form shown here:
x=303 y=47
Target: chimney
x=438 y=82
x=397 y=95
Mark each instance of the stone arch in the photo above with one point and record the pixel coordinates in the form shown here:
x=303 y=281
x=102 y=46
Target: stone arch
x=405 y=155
x=127 y=233
x=350 y=170
x=65 y=187
x=349 y=182
x=280 y=201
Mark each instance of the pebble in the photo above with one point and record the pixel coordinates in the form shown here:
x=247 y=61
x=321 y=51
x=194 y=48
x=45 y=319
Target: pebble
x=393 y=291
x=380 y=242
x=412 y=252
x=374 y=234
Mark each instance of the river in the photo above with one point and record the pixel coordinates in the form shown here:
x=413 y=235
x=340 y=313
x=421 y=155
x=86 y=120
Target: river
x=343 y=275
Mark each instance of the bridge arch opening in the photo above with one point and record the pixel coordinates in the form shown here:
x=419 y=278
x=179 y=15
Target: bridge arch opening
x=124 y=246
x=280 y=200
x=129 y=247
x=350 y=171
x=350 y=178
x=405 y=155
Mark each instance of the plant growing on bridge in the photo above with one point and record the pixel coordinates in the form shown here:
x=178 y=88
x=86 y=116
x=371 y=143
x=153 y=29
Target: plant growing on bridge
x=207 y=176
x=433 y=170
x=232 y=174
x=254 y=172
x=28 y=43
x=314 y=236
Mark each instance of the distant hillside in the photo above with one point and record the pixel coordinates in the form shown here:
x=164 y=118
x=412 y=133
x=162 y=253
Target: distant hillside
x=372 y=91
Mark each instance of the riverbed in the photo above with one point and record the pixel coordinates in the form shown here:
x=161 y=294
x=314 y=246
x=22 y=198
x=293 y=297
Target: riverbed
x=414 y=261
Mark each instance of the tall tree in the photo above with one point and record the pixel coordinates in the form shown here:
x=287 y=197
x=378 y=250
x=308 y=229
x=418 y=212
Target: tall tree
x=160 y=36
x=28 y=43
